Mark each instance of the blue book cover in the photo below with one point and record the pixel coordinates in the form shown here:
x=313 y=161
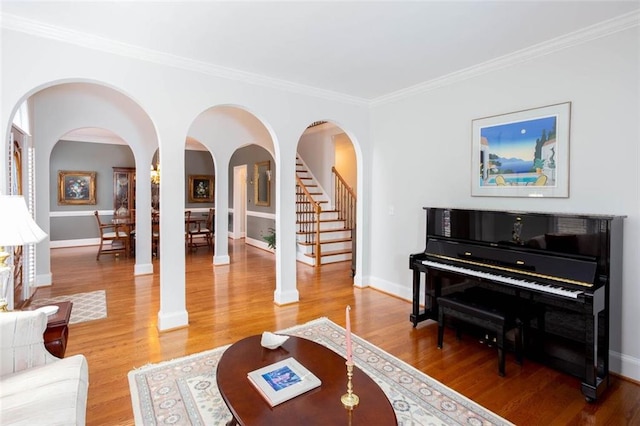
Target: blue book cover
x=283 y=380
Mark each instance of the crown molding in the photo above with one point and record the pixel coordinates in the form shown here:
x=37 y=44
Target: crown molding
x=599 y=30
x=39 y=29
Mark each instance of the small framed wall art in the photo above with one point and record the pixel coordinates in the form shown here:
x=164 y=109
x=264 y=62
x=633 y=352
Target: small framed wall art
x=201 y=189
x=76 y=187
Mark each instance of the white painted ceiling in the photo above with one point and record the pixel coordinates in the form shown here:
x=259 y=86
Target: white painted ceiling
x=364 y=50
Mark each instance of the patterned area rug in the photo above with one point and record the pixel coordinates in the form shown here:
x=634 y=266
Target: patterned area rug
x=86 y=306
x=183 y=391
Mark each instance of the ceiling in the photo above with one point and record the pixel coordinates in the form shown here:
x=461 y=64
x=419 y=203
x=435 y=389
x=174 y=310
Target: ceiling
x=363 y=50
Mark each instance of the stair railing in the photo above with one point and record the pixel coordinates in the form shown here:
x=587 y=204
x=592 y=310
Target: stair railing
x=308 y=215
x=345 y=201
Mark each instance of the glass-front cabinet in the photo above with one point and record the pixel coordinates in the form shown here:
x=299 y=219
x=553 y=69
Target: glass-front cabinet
x=124 y=191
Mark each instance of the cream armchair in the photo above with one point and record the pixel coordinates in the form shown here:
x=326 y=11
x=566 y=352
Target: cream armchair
x=37 y=388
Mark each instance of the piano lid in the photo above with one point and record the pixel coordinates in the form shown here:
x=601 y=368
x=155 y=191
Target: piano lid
x=583 y=237
x=559 y=233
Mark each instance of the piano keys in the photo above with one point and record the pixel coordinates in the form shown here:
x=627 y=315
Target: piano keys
x=560 y=266
x=506 y=279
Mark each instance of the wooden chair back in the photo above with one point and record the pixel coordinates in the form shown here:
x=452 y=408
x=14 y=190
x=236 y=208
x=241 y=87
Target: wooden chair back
x=115 y=238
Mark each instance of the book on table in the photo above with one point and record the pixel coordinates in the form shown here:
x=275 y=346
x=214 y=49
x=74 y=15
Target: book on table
x=283 y=380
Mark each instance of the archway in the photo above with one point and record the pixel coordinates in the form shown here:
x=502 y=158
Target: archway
x=326 y=195
x=59 y=108
x=224 y=130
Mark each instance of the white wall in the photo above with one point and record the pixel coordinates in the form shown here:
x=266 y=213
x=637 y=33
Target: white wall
x=316 y=150
x=423 y=145
x=346 y=159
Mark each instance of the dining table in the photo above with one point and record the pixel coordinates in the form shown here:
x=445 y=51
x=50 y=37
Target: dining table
x=127 y=224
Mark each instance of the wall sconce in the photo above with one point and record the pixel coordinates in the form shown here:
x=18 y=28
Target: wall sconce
x=268 y=172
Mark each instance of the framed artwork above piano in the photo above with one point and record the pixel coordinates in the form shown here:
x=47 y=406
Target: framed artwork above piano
x=522 y=154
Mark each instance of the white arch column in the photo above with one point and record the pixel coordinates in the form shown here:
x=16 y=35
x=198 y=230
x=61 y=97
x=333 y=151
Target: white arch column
x=173 y=312
x=143 y=216
x=286 y=290
x=221 y=246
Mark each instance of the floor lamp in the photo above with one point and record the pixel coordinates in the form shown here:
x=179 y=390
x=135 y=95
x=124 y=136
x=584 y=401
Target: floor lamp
x=17 y=228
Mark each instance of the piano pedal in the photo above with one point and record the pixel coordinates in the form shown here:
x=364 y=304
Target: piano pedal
x=489 y=340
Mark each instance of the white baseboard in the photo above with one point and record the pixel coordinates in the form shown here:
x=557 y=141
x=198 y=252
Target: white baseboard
x=624 y=365
x=169 y=321
x=75 y=243
x=394 y=289
x=222 y=260
x=258 y=243
x=145 y=269
x=235 y=236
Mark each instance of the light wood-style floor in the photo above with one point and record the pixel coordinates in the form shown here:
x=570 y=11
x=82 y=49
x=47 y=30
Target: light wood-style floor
x=226 y=303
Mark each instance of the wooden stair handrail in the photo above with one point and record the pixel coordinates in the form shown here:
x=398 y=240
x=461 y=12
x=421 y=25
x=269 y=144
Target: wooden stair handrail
x=344 y=182
x=315 y=224
x=345 y=200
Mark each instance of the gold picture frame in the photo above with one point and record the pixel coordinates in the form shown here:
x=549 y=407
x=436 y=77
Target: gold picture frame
x=76 y=187
x=201 y=189
x=262 y=183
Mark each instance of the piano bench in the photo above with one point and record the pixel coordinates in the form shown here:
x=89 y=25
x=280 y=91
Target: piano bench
x=484 y=310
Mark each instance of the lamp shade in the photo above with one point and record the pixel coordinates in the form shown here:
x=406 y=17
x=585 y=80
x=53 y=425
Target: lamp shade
x=17 y=227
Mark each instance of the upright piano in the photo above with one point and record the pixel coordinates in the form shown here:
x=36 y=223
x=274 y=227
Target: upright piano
x=560 y=267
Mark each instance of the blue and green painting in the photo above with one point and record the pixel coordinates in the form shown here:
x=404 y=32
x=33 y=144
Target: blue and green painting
x=514 y=147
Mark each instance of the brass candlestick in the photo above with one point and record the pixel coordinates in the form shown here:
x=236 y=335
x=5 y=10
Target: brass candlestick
x=350 y=400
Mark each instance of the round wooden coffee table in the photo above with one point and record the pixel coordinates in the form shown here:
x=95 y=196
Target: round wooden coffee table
x=320 y=406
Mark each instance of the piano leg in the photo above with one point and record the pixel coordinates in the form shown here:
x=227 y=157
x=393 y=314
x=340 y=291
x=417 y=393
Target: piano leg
x=431 y=292
x=415 y=314
x=596 y=375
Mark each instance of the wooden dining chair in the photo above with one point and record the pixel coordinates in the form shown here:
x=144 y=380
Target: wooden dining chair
x=113 y=238
x=200 y=236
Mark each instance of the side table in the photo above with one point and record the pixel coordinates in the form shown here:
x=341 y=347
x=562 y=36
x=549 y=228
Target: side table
x=57 y=332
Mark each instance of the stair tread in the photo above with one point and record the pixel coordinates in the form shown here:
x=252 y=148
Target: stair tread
x=322 y=231
x=306 y=222
x=325 y=221
x=326 y=212
x=329 y=253
x=338 y=240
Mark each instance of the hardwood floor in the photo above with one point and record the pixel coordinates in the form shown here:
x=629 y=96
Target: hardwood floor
x=226 y=303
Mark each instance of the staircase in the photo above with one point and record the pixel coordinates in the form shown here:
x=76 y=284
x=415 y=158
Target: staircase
x=323 y=233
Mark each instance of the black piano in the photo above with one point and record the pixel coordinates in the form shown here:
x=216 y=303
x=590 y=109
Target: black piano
x=558 y=267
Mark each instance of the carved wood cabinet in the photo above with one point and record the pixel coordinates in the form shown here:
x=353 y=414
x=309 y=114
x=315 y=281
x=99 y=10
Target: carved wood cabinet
x=124 y=191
